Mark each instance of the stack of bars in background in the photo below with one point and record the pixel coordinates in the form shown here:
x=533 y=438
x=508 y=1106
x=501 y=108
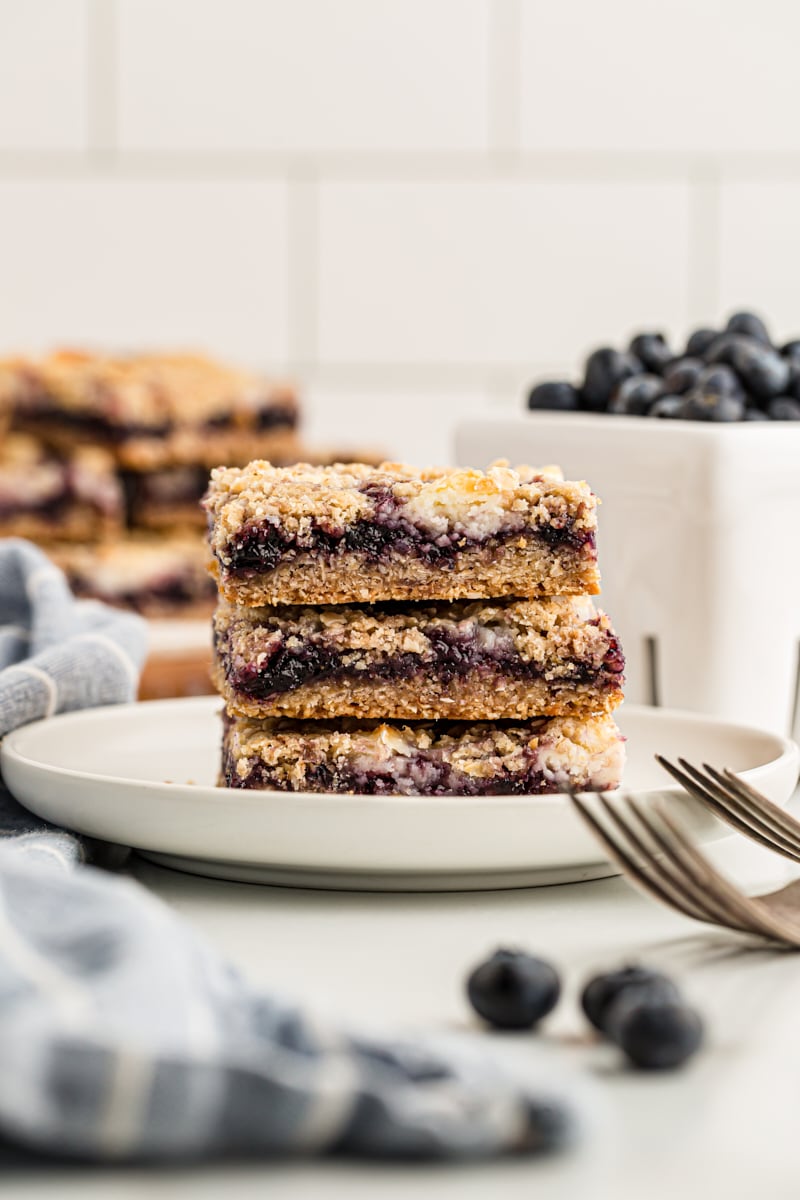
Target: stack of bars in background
x=106 y=460
x=392 y=630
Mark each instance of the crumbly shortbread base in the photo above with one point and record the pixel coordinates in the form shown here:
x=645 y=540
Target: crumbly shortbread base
x=463 y=661
x=74 y=523
x=183 y=447
x=484 y=695
x=520 y=568
x=169 y=518
x=208 y=448
x=425 y=759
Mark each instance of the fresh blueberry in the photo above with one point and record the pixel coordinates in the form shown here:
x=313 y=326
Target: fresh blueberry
x=605 y=370
x=557 y=395
x=652 y=351
x=711 y=406
x=720 y=380
x=749 y=324
x=635 y=396
x=602 y=991
x=793 y=386
x=756 y=414
x=791 y=350
x=723 y=348
x=761 y=369
x=683 y=374
x=668 y=408
x=782 y=408
x=655 y=1033
x=699 y=342
x=513 y=990
x=717 y=396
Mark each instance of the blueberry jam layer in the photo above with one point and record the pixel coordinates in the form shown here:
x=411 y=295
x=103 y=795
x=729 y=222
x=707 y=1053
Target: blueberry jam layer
x=450 y=657
x=178 y=486
x=263 y=547
x=54 y=508
x=421 y=774
x=271 y=416
x=96 y=427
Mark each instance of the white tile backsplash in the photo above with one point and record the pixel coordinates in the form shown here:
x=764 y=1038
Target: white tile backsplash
x=43 y=74
x=408 y=424
x=143 y=263
x=758 y=251
x=691 y=75
x=310 y=74
x=496 y=272
x=417 y=205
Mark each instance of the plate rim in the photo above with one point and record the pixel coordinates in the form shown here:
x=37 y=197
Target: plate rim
x=10 y=752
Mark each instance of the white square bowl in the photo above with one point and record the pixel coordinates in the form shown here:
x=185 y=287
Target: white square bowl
x=699 y=544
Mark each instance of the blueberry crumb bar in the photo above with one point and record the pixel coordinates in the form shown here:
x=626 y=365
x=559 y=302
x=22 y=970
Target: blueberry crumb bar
x=423 y=759
x=75 y=498
x=151 y=410
x=353 y=533
x=469 y=660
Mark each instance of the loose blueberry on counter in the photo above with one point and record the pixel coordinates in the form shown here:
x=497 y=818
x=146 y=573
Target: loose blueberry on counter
x=605 y=370
x=791 y=350
x=699 y=342
x=635 y=396
x=603 y=991
x=783 y=408
x=668 y=408
x=761 y=369
x=513 y=990
x=683 y=374
x=755 y=414
x=652 y=351
x=556 y=395
x=654 y=1033
x=750 y=324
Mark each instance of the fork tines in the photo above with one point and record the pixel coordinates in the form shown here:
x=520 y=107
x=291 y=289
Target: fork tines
x=740 y=805
x=642 y=837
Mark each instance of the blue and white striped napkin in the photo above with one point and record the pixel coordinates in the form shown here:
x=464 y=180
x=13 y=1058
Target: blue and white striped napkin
x=123 y=1036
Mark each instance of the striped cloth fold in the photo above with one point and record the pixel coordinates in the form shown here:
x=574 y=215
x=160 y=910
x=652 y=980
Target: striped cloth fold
x=125 y=1037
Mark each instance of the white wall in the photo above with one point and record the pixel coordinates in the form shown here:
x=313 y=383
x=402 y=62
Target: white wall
x=414 y=206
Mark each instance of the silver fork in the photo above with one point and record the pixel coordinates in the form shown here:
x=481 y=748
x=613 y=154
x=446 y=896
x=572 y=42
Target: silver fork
x=652 y=850
x=739 y=805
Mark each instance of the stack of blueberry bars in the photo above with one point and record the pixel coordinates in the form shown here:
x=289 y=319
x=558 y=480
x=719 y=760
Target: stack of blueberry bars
x=422 y=632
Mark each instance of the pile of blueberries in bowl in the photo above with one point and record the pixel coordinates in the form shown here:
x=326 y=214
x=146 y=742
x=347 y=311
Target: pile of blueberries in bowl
x=730 y=374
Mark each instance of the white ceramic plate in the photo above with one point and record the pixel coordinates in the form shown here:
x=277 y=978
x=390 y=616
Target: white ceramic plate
x=143 y=775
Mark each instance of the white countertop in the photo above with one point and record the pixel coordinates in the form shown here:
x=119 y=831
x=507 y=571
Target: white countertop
x=726 y=1126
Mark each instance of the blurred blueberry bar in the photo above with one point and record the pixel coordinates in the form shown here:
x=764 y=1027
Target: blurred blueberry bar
x=166 y=498
x=468 y=660
x=76 y=497
x=156 y=576
x=352 y=533
x=166 y=419
x=425 y=758
x=151 y=410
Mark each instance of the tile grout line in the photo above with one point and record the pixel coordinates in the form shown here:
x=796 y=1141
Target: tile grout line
x=703 y=298
x=101 y=133
x=524 y=166
x=302 y=253
x=504 y=76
